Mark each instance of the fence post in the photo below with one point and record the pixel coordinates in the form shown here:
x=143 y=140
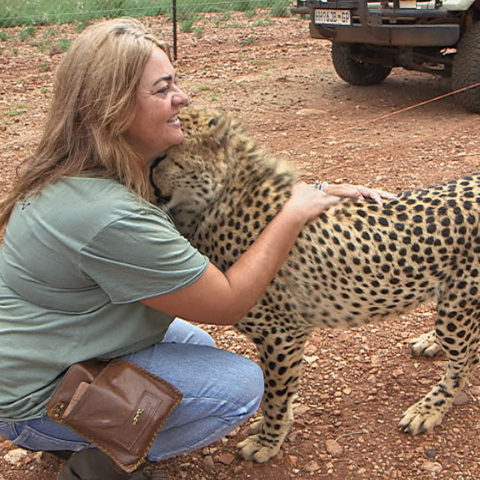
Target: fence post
x=174 y=21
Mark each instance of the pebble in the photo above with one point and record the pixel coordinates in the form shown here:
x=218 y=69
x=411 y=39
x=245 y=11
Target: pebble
x=208 y=461
x=310 y=112
x=475 y=391
x=430 y=453
x=15 y=456
x=312 y=466
x=461 y=399
x=432 y=467
x=333 y=448
x=226 y=458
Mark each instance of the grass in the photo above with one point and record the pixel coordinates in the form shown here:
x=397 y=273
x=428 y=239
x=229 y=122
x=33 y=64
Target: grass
x=187 y=25
x=64 y=44
x=26 y=33
x=201 y=88
x=198 y=31
x=248 y=40
x=14 y=113
x=263 y=22
x=41 y=12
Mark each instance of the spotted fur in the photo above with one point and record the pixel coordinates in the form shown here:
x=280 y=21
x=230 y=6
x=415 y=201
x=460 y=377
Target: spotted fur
x=357 y=264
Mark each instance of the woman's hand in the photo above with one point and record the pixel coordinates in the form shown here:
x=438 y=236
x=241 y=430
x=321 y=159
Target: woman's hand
x=358 y=192
x=310 y=202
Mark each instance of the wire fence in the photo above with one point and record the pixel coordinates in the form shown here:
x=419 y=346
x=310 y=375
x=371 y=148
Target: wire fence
x=40 y=12
x=29 y=13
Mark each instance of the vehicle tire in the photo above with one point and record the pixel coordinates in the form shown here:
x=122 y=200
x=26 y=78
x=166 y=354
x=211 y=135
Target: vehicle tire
x=355 y=71
x=466 y=69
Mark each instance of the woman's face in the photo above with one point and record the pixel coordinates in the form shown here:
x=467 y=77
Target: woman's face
x=156 y=127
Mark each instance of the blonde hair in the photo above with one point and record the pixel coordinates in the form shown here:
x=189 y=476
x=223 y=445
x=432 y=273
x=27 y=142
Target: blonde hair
x=93 y=105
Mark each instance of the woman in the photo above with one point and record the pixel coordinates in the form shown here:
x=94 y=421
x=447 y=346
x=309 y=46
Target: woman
x=88 y=268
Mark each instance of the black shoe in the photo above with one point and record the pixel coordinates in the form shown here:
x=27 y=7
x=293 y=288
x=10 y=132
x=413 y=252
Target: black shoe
x=93 y=464
x=61 y=454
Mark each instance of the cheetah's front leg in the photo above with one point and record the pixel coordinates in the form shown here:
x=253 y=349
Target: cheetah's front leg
x=281 y=356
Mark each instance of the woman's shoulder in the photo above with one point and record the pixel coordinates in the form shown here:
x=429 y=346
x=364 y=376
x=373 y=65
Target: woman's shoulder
x=91 y=193
x=89 y=200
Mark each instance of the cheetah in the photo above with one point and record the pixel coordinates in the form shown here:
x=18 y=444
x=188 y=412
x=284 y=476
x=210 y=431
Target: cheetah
x=355 y=264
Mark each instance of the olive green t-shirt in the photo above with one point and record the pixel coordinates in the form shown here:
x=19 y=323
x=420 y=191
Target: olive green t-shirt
x=75 y=260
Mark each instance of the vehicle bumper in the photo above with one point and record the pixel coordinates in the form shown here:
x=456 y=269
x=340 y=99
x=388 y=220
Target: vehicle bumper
x=401 y=35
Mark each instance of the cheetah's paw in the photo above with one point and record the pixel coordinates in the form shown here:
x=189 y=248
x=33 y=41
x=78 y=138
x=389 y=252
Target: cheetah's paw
x=257 y=449
x=425 y=345
x=420 y=419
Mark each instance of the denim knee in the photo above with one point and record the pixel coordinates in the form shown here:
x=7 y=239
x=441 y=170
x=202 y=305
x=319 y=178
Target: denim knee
x=249 y=385
x=181 y=331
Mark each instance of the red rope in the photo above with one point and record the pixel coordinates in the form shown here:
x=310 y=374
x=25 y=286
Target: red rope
x=396 y=112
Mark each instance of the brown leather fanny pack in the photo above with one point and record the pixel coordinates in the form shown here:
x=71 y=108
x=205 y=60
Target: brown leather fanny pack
x=115 y=405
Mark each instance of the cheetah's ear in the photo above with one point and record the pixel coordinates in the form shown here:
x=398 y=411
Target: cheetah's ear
x=208 y=126
x=219 y=127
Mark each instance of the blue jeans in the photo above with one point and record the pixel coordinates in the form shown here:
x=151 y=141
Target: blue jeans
x=220 y=391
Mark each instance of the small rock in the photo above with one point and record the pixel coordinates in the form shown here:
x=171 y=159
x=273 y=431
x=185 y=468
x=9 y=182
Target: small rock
x=55 y=50
x=208 y=461
x=461 y=399
x=312 y=466
x=311 y=358
x=293 y=460
x=475 y=390
x=15 y=456
x=226 y=458
x=375 y=359
x=333 y=448
x=432 y=467
x=310 y=112
x=430 y=453
x=301 y=410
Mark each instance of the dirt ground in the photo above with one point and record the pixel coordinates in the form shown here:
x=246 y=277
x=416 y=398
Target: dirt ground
x=282 y=86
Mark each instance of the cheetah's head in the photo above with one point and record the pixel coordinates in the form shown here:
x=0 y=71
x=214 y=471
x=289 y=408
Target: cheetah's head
x=190 y=176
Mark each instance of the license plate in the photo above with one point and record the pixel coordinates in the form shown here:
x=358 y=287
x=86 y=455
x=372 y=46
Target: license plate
x=333 y=17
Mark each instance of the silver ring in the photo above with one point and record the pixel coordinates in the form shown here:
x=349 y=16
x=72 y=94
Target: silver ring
x=320 y=185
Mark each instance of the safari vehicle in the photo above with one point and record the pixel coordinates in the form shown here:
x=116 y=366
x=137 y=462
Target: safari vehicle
x=369 y=38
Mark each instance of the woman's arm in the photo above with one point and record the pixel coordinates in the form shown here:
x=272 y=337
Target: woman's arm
x=225 y=299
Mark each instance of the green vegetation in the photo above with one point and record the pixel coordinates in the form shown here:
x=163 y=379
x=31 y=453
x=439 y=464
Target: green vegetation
x=41 y=12
x=233 y=25
x=248 y=40
x=64 y=44
x=198 y=31
x=280 y=8
x=263 y=22
x=187 y=25
x=224 y=18
x=14 y=113
x=27 y=32
x=200 y=88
